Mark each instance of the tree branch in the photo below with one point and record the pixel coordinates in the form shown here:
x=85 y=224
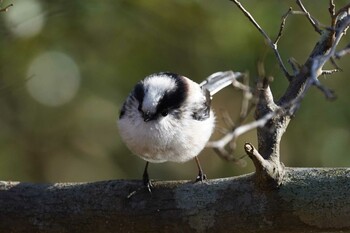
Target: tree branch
x=310 y=200
x=272 y=118
x=313 y=22
x=343 y=52
x=6 y=8
x=269 y=172
x=267 y=38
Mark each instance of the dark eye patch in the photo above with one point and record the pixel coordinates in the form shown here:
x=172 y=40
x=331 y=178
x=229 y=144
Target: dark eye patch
x=173 y=99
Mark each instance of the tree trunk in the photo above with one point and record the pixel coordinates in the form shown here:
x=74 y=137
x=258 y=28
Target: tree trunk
x=308 y=200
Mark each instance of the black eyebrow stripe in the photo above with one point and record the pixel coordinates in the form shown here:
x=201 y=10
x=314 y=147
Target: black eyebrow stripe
x=173 y=99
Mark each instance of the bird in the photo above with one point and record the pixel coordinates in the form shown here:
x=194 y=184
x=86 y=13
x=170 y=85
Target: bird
x=168 y=117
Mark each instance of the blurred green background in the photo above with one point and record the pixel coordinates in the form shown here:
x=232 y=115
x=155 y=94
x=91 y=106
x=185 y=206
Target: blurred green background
x=67 y=66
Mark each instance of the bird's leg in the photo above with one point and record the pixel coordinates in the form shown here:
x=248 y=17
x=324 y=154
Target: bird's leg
x=201 y=176
x=146 y=180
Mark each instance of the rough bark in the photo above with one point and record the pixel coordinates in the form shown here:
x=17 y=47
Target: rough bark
x=309 y=200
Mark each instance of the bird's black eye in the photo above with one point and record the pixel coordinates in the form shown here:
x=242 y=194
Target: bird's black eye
x=164 y=113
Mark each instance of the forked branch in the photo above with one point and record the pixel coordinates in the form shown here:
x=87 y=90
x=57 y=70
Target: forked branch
x=272 y=118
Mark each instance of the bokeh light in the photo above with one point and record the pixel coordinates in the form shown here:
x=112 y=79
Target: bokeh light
x=54 y=78
x=26 y=19
x=67 y=66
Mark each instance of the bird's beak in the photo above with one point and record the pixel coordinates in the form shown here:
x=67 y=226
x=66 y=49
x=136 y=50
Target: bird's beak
x=147 y=116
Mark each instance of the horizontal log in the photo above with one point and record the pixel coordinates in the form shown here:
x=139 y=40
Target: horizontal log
x=309 y=200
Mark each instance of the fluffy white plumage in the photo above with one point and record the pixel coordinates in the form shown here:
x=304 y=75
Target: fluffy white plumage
x=178 y=136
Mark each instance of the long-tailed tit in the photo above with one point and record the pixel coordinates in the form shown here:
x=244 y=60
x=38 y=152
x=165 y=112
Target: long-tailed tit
x=168 y=117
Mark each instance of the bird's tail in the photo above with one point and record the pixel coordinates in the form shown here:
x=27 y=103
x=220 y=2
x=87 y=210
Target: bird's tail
x=219 y=80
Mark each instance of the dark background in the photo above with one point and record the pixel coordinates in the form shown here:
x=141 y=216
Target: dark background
x=67 y=66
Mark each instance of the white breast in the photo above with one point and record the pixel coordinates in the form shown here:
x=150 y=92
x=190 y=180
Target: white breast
x=166 y=140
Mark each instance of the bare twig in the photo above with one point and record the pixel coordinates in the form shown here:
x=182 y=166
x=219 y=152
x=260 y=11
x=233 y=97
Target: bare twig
x=321 y=57
x=270 y=42
x=227 y=119
x=340 y=31
x=284 y=19
x=283 y=23
x=273 y=118
x=331 y=8
x=330 y=95
x=313 y=22
x=6 y=8
x=227 y=156
x=289 y=107
x=344 y=9
x=254 y=155
x=295 y=65
x=247 y=95
x=286 y=109
x=342 y=52
x=333 y=62
x=245 y=110
x=329 y=72
x=221 y=143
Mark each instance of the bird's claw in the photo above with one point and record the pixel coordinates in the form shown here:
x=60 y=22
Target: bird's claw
x=148 y=185
x=201 y=177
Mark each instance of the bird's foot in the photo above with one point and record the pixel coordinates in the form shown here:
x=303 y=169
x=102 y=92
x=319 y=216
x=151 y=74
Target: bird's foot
x=146 y=181
x=148 y=184
x=201 y=177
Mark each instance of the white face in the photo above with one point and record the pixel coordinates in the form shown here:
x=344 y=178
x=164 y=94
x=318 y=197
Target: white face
x=159 y=85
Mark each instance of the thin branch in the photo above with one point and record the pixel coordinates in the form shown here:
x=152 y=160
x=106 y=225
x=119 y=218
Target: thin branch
x=286 y=109
x=247 y=96
x=227 y=156
x=331 y=8
x=319 y=58
x=254 y=155
x=246 y=108
x=330 y=95
x=333 y=62
x=227 y=119
x=313 y=22
x=295 y=65
x=344 y=9
x=342 y=52
x=284 y=19
x=270 y=42
x=283 y=23
x=6 y=8
x=221 y=143
x=329 y=72
x=289 y=107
